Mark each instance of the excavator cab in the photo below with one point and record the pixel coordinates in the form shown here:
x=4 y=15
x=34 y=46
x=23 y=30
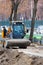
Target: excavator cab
x=18 y=30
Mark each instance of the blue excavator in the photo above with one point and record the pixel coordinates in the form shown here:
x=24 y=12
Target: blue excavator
x=18 y=32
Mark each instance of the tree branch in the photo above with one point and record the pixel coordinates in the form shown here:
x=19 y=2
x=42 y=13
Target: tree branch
x=35 y=1
x=18 y=2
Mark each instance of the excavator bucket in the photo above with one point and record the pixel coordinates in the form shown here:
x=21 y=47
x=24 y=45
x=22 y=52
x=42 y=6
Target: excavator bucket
x=21 y=43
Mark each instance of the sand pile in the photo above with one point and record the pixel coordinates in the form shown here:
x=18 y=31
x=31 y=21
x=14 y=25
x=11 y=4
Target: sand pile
x=13 y=57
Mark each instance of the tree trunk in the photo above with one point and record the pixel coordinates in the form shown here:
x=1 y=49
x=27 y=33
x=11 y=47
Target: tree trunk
x=11 y=14
x=15 y=15
x=15 y=12
x=14 y=9
x=33 y=20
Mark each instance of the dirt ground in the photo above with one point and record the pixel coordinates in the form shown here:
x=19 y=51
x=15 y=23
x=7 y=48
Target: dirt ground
x=13 y=57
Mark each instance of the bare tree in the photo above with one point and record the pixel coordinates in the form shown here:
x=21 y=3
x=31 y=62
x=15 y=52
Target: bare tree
x=15 y=4
x=33 y=19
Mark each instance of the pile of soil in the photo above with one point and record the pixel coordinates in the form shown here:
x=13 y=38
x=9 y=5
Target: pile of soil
x=13 y=57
